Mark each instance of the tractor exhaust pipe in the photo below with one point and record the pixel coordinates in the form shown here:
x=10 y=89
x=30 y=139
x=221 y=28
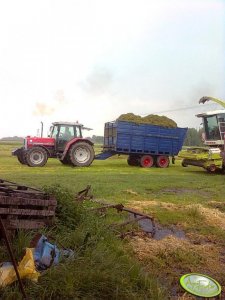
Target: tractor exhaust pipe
x=41 y=129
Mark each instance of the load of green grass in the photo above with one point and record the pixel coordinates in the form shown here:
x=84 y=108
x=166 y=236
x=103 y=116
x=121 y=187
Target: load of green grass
x=103 y=266
x=149 y=119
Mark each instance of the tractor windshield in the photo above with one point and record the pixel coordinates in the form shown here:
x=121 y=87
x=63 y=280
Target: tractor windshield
x=214 y=127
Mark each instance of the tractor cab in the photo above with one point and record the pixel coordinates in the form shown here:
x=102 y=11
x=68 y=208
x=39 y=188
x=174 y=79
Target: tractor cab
x=63 y=132
x=214 y=127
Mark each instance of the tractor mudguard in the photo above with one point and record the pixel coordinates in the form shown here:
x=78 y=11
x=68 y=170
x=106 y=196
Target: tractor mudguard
x=17 y=151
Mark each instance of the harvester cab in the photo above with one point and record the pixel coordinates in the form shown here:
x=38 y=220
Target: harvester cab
x=211 y=157
x=64 y=141
x=213 y=124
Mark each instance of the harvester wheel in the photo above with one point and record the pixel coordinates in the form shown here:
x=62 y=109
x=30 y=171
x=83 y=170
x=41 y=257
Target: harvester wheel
x=22 y=158
x=146 y=161
x=81 y=154
x=36 y=157
x=211 y=169
x=133 y=160
x=183 y=164
x=162 y=161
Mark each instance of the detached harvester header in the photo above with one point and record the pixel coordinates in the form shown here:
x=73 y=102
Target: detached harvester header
x=212 y=157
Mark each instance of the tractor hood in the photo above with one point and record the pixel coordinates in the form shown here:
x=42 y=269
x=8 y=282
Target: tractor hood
x=30 y=141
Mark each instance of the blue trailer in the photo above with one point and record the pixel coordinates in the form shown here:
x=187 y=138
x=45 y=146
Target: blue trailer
x=146 y=145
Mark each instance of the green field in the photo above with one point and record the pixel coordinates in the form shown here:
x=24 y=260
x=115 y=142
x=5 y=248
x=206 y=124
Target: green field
x=182 y=199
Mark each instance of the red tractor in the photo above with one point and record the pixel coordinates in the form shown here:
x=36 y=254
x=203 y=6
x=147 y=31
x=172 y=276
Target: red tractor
x=64 y=142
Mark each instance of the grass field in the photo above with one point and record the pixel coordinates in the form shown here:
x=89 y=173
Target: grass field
x=181 y=199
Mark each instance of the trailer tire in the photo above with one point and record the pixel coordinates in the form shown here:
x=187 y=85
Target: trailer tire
x=36 y=157
x=133 y=160
x=162 y=161
x=81 y=154
x=147 y=161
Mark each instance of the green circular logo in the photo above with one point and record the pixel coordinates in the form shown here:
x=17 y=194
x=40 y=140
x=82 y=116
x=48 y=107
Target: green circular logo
x=200 y=285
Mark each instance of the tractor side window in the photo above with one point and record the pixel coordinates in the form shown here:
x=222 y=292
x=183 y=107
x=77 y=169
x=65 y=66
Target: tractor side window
x=66 y=133
x=54 y=132
x=78 y=131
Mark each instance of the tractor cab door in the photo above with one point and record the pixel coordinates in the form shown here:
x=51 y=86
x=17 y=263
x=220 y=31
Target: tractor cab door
x=64 y=134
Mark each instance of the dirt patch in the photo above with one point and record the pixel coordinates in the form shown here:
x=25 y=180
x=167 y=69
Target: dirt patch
x=186 y=191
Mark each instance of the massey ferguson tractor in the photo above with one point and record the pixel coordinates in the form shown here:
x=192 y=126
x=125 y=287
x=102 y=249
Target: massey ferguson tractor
x=64 y=142
x=212 y=156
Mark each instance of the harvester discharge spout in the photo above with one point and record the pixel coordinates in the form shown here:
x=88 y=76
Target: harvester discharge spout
x=208 y=98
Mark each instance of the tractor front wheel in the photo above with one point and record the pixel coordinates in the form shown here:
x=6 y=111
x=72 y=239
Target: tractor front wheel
x=22 y=158
x=36 y=157
x=81 y=154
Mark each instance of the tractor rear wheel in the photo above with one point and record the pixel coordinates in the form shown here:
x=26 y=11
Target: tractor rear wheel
x=36 y=157
x=162 y=161
x=146 y=161
x=22 y=158
x=81 y=154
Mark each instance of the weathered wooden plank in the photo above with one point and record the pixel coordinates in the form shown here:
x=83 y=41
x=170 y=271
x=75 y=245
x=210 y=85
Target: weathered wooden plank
x=25 y=224
x=11 y=200
x=26 y=212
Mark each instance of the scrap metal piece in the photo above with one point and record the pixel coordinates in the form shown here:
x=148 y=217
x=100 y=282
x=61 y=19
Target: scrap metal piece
x=13 y=260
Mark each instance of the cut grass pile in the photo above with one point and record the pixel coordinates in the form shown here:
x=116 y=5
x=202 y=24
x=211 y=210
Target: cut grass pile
x=149 y=119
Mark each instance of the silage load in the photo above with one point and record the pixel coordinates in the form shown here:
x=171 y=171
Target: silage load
x=150 y=119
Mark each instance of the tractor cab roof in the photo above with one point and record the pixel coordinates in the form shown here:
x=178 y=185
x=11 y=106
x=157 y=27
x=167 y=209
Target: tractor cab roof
x=71 y=124
x=211 y=113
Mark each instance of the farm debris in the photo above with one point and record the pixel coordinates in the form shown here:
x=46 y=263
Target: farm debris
x=26 y=269
x=5 y=236
x=23 y=207
x=84 y=194
x=47 y=254
x=134 y=216
x=149 y=119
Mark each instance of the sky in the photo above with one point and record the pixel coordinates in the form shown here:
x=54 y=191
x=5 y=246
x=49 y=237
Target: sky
x=92 y=60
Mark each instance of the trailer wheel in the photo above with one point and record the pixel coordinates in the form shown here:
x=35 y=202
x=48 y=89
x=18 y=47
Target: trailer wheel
x=81 y=154
x=146 y=161
x=22 y=158
x=133 y=160
x=36 y=157
x=162 y=161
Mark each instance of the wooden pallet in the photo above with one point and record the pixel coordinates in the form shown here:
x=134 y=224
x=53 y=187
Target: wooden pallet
x=22 y=207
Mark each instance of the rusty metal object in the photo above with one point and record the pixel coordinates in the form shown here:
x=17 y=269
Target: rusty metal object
x=137 y=216
x=84 y=194
x=4 y=234
x=23 y=207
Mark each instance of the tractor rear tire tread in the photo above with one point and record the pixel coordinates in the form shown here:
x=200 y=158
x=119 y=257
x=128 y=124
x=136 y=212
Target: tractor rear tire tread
x=80 y=150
